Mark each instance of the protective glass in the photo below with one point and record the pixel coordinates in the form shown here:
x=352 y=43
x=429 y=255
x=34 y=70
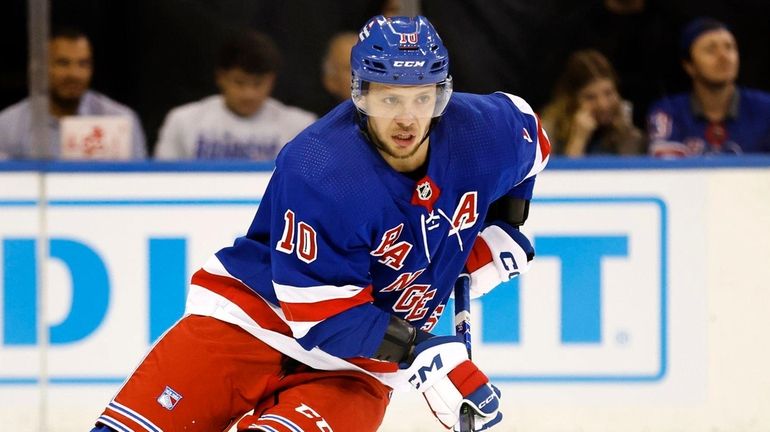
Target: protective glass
x=385 y=100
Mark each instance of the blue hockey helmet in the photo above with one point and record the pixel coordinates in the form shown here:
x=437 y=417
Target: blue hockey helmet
x=400 y=51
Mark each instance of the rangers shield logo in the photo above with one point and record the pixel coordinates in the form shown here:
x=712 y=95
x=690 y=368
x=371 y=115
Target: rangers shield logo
x=169 y=398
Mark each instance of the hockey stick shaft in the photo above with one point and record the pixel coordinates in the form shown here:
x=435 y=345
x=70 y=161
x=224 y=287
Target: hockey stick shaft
x=463 y=329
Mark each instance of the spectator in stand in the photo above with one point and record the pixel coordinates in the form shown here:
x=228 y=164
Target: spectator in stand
x=634 y=35
x=70 y=67
x=587 y=116
x=391 y=8
x=336 y=65
x=243 y=121
x=717 y=116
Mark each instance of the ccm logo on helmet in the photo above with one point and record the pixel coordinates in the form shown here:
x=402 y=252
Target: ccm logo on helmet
x=401 y=63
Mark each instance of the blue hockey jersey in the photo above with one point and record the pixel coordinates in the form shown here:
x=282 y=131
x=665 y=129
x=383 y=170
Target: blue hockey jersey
x=341 y=241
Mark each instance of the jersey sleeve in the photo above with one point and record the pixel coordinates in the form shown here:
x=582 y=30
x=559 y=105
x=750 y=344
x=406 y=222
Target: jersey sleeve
x=528 y=142
x=320 y=269
x=523 y=190
x=501 y=251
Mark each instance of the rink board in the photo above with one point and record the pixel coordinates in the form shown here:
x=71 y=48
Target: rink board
x=628 y=319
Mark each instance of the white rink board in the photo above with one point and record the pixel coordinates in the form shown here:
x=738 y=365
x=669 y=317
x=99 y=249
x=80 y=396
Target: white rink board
x=671 y=339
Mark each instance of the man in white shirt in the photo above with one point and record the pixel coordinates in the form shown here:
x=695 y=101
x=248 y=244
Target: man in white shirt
x=69 y=74
x=243 y=121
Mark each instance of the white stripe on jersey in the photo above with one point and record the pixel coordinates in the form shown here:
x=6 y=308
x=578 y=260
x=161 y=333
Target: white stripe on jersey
x=298 y=328
x=301 y=328
x=314 y=294
x=215 y=267
x=289 y=293
x=521 y=104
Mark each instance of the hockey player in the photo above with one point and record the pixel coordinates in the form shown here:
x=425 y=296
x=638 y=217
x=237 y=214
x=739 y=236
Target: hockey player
x=326 y=304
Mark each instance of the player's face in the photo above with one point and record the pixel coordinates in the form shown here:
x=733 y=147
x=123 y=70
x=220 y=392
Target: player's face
x=714 y=58
x=399 y=117
x=244 y=93
x=601 y=98
x=69 y=69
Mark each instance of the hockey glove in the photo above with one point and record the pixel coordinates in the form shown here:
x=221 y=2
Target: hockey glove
x=500 y=253
x=442 y=372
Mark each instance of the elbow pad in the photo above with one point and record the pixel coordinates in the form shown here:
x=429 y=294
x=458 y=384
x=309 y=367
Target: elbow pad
x=513 y=211
x=500 y=253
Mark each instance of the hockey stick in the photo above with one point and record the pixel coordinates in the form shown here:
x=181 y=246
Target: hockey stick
x=463 y=329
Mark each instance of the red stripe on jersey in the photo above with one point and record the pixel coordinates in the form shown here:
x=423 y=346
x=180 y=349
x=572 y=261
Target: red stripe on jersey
x=545 y=145
x=467 y=378
x=238 y=293
x=319 y=311
x=480 y=255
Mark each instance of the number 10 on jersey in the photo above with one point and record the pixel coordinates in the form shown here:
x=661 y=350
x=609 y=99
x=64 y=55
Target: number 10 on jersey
x=306 y=246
